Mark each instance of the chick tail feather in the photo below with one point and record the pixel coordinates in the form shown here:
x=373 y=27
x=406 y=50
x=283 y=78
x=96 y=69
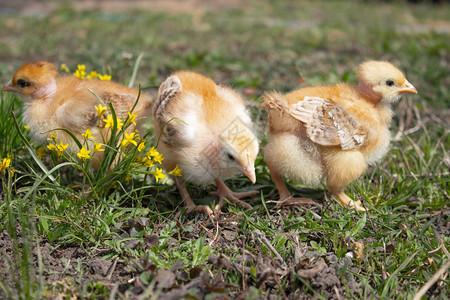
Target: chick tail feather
x=275 y=101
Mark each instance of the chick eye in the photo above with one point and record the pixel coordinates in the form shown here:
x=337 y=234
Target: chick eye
x=390 y=82
x=23 y=83
x=230 y=157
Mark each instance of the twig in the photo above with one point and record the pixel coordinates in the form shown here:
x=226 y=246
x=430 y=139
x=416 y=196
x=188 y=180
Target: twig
x=113 y=293
x=243 y=264
x=207 y=231
x=112 y=268
x=407 y=165
x=298 y=253
x=445 y=249
x=217 y=234
x=415 y=176
x=337 y=292
x=277 y=281
x=432 y=281
x=263 y=239
x=436 y=250
x=419 y=122
x=65 y=270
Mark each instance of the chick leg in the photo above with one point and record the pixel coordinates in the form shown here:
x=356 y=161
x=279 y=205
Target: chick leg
x=190 y=205
x=224 y=192
x=286 y=198
x=343 y=167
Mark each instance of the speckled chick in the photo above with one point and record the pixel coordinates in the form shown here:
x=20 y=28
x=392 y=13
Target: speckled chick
x=332 y=132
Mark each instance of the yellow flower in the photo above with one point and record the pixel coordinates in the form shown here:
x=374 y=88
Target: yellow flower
x=5 y=165
x=84 y=154
x=130 y=139
x=148 y=163
x=131 y=118
x=51 y=147
x=110 y=122
x=158 y=158
x=141 y=146
x=52 y=137
x=92 y=75
x=80 y=72
x=104 y=77
x=65 y=68
x=152 y=152
x=87 y=134
x=12 y=171
x=26 y=127
x=97 y=147
x=41 y=152
x=100 y=109
x=176 y=171
x=158 y=174
x=127 y=178
x=119 y=123
x=61 y=148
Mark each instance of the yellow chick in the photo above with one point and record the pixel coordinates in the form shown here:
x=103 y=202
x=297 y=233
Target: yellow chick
x=206 y=130
x=332 y=132
x=64 y=101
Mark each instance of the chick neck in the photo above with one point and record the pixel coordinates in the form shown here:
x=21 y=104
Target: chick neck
x=367 y=92
x=45 y=92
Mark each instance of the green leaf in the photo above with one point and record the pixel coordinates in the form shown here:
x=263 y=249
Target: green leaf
x=359 y=225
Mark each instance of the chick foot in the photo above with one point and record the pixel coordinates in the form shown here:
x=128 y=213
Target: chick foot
x=348 y=202
x=199 y=208
x=223 y=192
x=188 y=203
x=286 y=198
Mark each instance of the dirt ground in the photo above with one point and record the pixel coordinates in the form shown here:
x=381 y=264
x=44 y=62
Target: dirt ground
x=74 y=266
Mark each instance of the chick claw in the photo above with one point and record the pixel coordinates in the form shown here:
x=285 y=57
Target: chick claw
x=356 y=205
x=192 y=208
x=223 y=192
x=201 y=209
x=348 y=202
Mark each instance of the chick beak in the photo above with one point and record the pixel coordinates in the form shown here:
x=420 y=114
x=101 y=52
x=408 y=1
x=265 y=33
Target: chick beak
x=9 y=87
x=408 y=88
x=248 y=169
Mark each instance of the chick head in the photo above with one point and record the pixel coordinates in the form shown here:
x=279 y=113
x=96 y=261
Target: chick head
x=382 y=80
x=33 y=80
x=238 y=148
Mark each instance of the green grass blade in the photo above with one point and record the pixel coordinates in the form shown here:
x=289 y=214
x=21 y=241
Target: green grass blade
x=135 y=69
x=32 y=153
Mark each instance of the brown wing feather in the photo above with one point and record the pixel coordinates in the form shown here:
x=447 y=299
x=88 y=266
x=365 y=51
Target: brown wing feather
x=122 y=103
x=172 y=133
x=168 y=89
x=328 y=124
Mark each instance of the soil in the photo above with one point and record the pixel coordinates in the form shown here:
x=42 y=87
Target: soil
x=73 y=266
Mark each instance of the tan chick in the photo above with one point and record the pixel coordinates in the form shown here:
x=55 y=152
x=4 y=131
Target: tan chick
x=333 y=132
x=64 y=101
x=205 y=130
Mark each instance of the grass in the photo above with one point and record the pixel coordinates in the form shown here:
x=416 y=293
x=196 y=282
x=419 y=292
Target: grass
x=262 y=46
